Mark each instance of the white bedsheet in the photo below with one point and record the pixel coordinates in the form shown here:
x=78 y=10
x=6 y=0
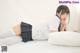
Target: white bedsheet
x=41 y=47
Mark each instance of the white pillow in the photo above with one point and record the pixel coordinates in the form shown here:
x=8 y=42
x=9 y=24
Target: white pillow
x=65 y=38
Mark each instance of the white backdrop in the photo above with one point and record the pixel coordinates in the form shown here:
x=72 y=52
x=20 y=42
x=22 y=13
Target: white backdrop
x=13 y=11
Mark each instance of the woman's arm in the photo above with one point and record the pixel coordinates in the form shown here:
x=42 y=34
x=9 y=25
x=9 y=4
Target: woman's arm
x=62 y=25
x=53 y=30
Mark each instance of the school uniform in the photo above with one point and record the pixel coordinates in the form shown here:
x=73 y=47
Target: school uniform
x=30 y=32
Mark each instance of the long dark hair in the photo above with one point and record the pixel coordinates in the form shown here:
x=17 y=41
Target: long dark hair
x=62 y=9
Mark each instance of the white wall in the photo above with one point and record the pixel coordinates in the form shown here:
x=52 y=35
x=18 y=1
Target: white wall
x=78 y=14
x=13 y=11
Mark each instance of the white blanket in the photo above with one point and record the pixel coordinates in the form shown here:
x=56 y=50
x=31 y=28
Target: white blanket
x=40 y=47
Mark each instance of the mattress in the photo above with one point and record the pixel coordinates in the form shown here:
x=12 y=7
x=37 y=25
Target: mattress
x=40 y=47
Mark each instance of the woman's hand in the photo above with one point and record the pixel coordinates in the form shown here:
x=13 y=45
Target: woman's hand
x=63 y=25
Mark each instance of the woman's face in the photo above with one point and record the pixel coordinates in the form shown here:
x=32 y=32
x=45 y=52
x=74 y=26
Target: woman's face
x=64 y=18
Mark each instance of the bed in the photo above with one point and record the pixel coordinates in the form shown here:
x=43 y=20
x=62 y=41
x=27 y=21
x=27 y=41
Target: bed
x=40 y=47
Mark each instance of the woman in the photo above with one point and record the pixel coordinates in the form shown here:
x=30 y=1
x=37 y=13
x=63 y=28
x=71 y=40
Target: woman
x=62 y=13
x=23 y=31
x=61 y=19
